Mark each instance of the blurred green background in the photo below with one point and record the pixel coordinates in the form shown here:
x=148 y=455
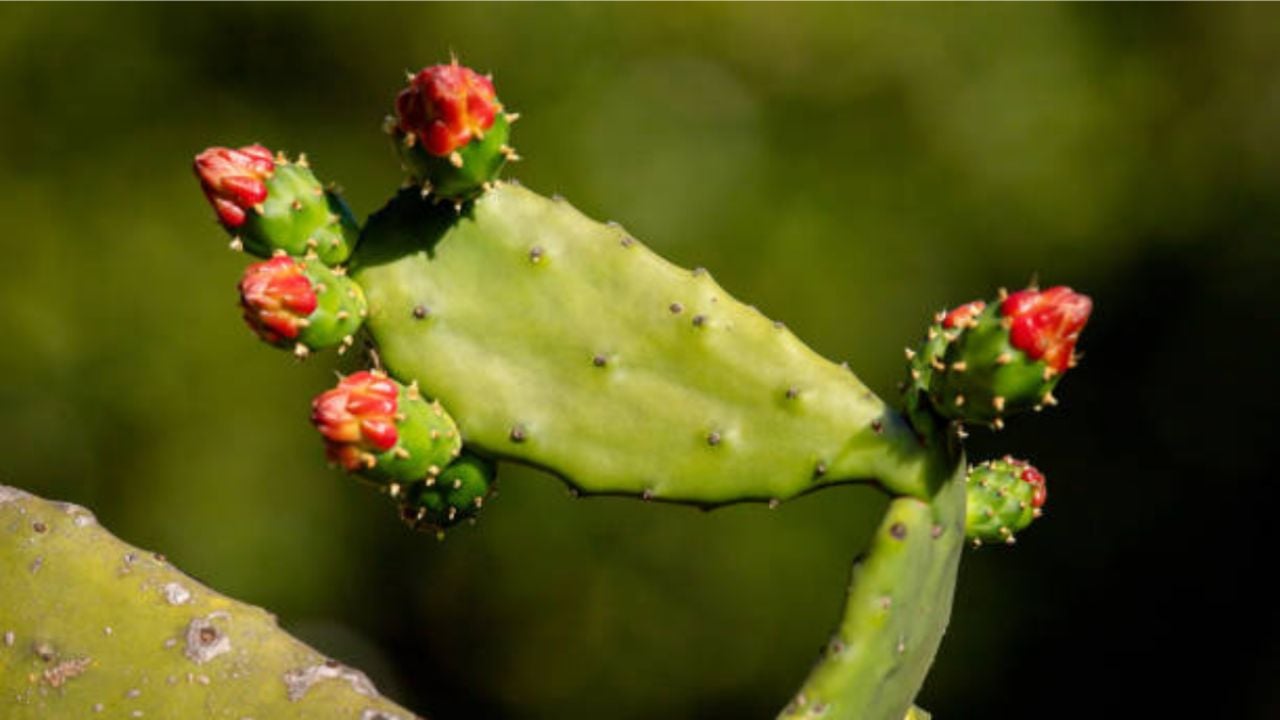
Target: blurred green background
x=849 y=169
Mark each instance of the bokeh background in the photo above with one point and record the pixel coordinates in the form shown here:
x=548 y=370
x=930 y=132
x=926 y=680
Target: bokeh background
x=850 y=169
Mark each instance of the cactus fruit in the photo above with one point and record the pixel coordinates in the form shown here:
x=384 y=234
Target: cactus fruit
x=1004 y=496
x=980 y=363
x=384 y=431
x=451 y=132
x=301 y=304
x=269 y=203
x=456 y=495
x=91 y=627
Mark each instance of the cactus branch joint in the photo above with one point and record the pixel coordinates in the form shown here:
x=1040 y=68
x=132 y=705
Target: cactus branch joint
x=724 y=404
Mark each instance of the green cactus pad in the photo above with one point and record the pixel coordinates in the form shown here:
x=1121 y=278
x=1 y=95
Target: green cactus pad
x=896 y=612
x=91 y=627
x=456 y=495
x=478 y=163
x=564 y=343
x=299 y=215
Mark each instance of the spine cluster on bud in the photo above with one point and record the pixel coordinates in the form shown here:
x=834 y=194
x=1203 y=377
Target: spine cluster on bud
x=451 y=131
x=981 y=362
x=456 y=495
x=299 y=303
x=269 y=204
x=1003 y=497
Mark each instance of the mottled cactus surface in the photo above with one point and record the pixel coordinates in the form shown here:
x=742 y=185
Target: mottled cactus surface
x=91 y=627
x=504 y=325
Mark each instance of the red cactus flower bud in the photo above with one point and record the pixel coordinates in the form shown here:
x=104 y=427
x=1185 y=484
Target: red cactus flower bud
x=446 y=106
x=1041 y=492
x=277 y=298
x=358 y=417
x=232 y=180
x=963 y=315
x=1045 y=325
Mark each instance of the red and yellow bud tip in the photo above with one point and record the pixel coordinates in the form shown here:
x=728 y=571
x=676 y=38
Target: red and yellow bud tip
x=277 y=298
x=234 y=180
x=964 y=315
x=447 y=106
x=1045 y=324
x=1036 y=480
x=358 y=418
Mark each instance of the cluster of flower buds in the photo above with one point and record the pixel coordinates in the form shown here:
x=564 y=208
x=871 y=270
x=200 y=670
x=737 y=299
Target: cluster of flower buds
x=981 y=362
x=1003 y=497
x=386 y=432
x=451 y=132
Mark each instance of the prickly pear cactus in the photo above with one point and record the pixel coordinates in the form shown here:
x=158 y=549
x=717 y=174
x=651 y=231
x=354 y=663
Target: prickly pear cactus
x=506 y=326
x=91 y=627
